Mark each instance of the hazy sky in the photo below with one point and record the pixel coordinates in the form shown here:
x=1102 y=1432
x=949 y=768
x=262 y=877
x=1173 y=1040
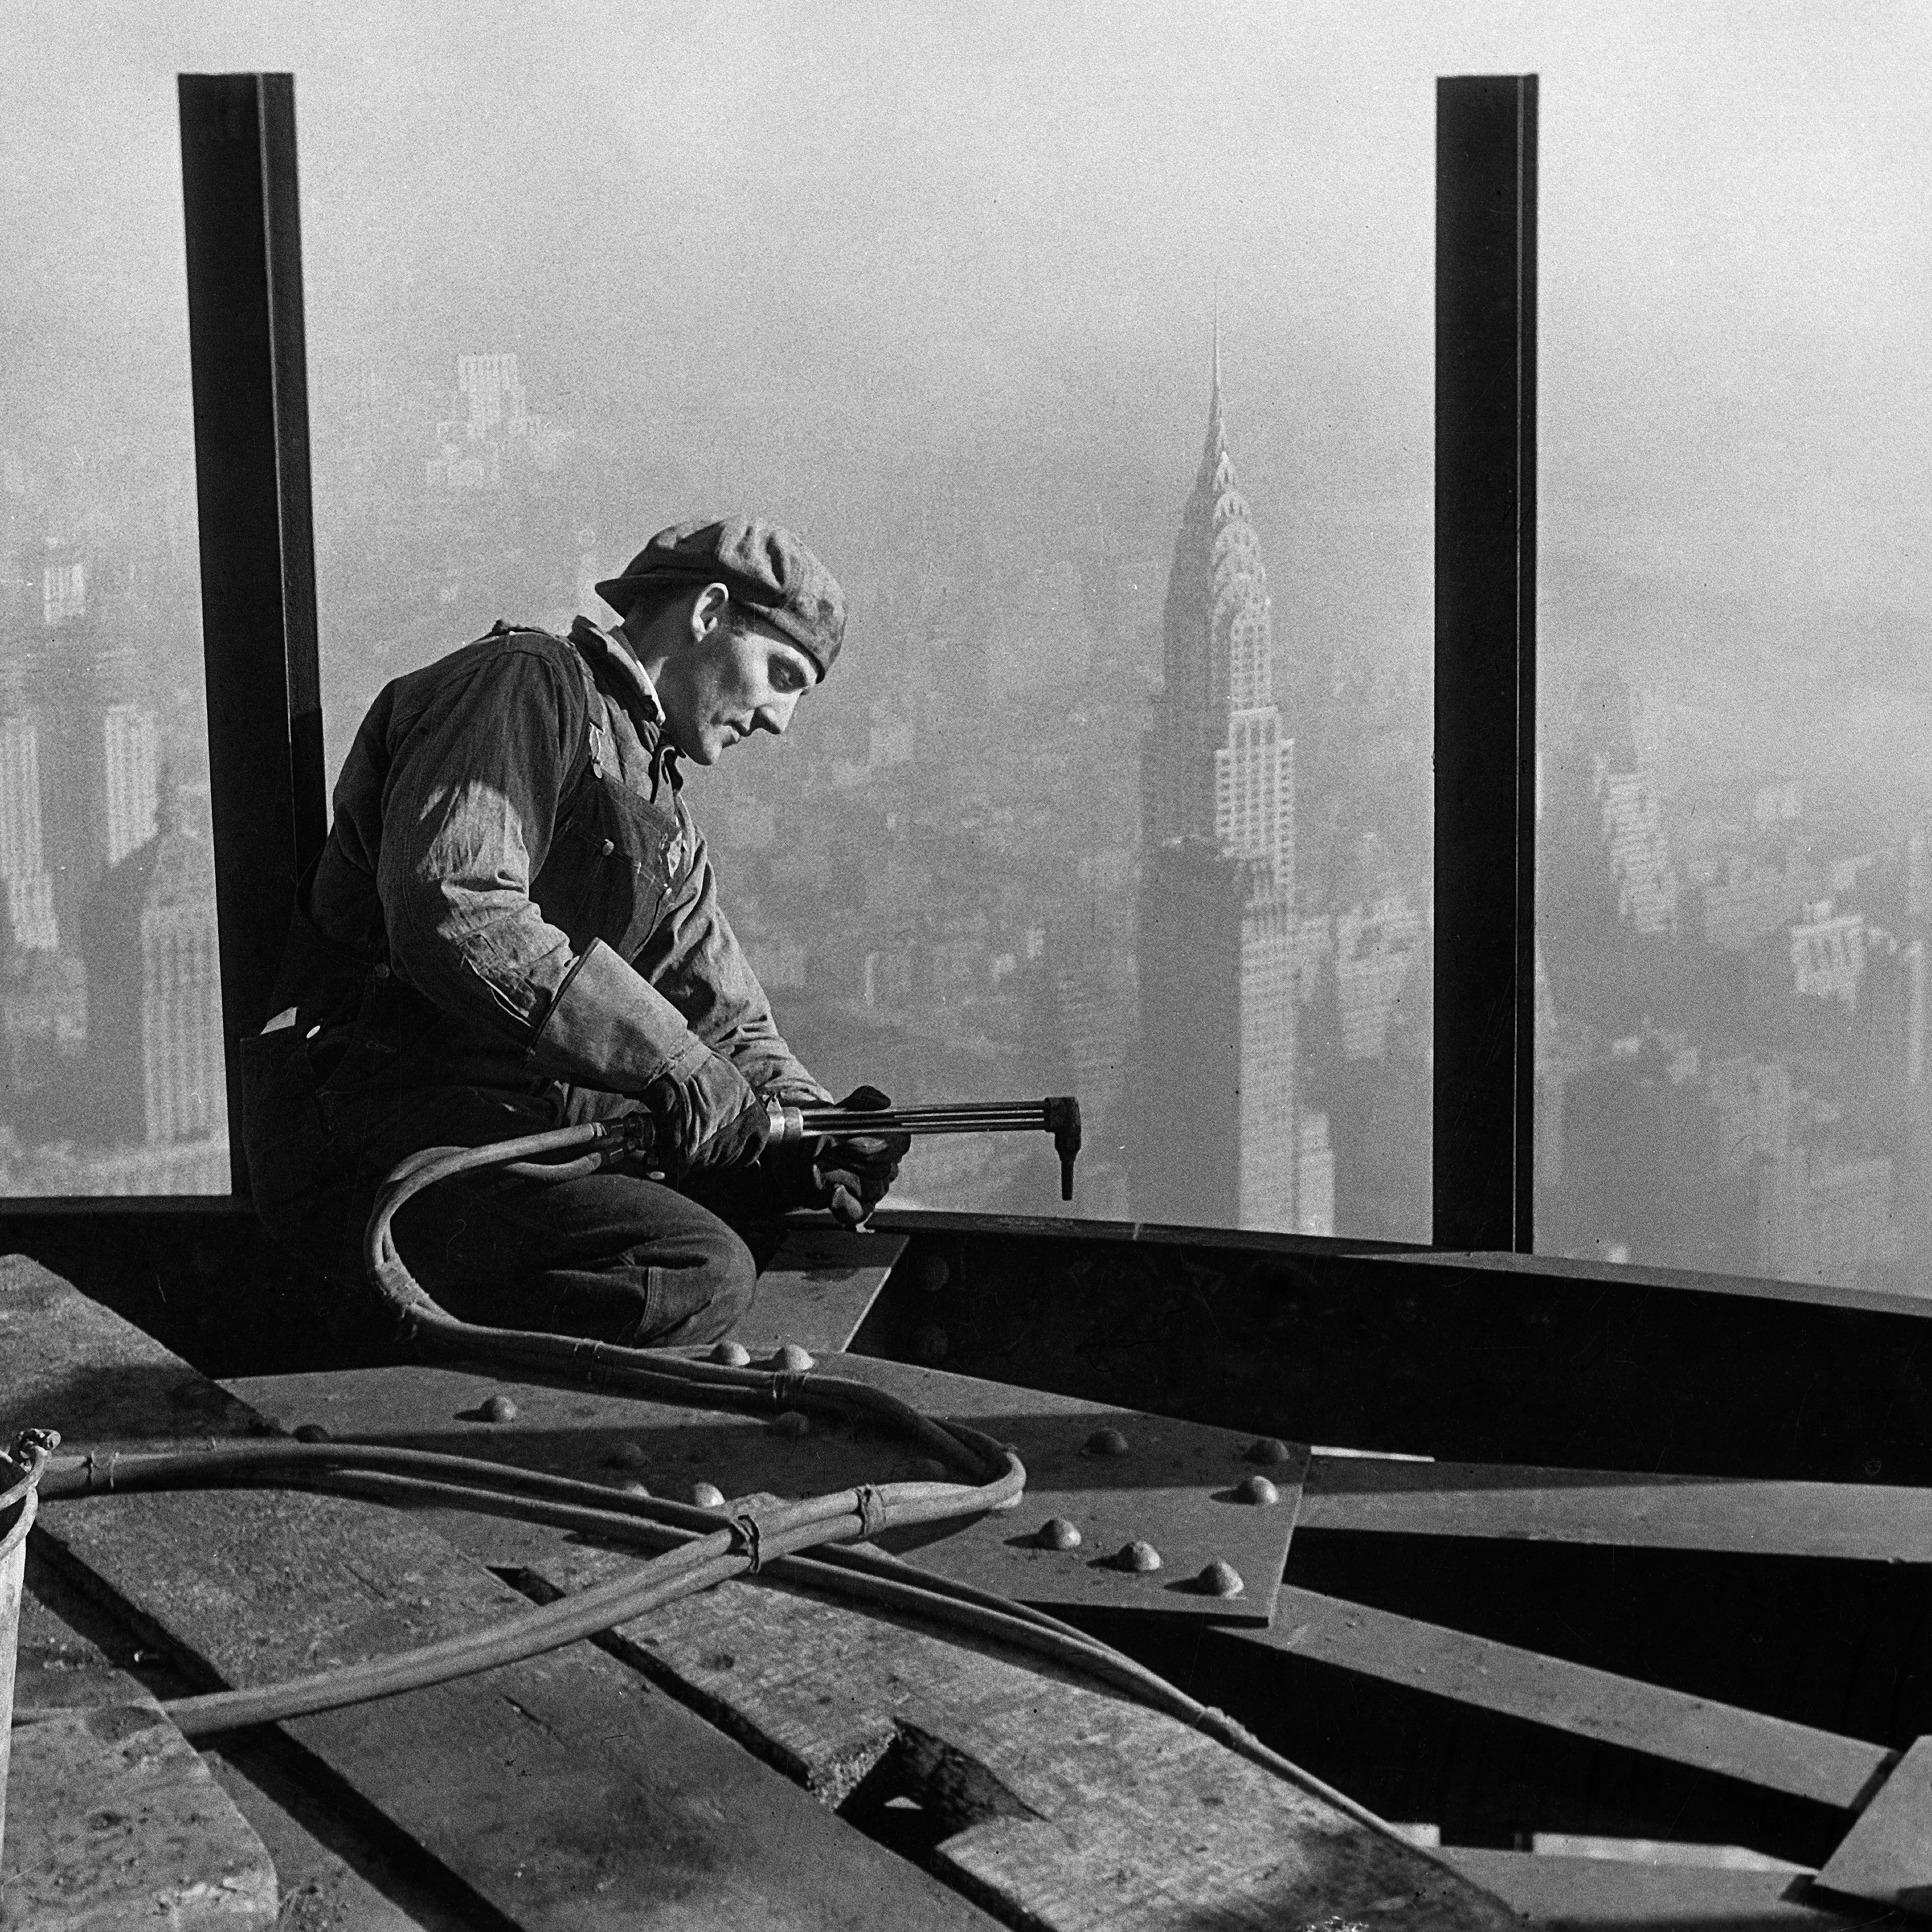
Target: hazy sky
x=855 y=262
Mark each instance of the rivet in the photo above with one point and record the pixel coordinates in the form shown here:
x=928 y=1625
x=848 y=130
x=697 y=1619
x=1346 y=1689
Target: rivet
x=1056 y=1533
x=930 y=1469
x=1220 y=1578
x=791 y=1358
x=934 y=1274
x=1106 y=1442
x=312 y=1431
x=733 y=1354
x=707 y=1496
x=1138 y=1557
x=633 y=1488
x=1257 y=1490
x=499 y=1409
x=1269 y=1449
x=627 y=1456
x=932 y=1343
x=792 y=1422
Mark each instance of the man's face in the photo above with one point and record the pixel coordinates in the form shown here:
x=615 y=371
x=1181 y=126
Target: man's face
x=734 y=676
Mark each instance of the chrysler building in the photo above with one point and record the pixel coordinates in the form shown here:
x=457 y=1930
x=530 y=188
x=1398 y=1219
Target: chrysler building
x=1216 y=949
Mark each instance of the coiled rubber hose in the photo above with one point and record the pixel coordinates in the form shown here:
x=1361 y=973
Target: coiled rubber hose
x=697 y=1547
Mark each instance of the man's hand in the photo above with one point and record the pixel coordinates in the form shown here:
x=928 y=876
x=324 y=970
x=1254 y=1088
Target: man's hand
x=711 y=1119
x=851 y=1174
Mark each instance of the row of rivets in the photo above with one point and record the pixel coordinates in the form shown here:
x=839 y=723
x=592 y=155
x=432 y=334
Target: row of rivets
x=1140 y=1557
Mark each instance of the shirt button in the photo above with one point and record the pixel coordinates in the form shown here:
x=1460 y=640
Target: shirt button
x=610 y=846
x=381 y=972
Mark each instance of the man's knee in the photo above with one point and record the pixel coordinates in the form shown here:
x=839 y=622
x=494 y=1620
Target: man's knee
x=705 y=1301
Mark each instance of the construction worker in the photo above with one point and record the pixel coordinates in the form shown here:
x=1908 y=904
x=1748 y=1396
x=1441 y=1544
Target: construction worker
x=514 y=925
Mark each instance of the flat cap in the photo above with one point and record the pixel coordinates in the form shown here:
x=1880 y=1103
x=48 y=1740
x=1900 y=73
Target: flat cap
x=760 y=563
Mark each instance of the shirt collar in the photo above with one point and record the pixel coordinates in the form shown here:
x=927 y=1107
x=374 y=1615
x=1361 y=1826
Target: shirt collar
x=614 y=648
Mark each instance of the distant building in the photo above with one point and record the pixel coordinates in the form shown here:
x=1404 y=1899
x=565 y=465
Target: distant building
x=31 y=926
x=1647 y=886
x=1828 y=954
x=498 y=439
x=1219 y=1139
x=95 y=744
x=130 y=769
x=154 y=1054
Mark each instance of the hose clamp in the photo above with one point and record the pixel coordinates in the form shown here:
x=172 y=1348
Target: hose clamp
x=783 y=1123
x=744 y=1540
x=873 y=1514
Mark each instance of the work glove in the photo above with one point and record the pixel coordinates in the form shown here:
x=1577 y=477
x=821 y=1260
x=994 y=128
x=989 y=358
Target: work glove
x=851 y=1173
x=709 y=1118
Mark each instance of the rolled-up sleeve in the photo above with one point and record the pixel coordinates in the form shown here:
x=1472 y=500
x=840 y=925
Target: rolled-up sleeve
x=695 y=957
x=468 y=813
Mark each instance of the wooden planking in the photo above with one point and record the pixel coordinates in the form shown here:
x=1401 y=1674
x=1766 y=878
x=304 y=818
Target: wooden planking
x=1887 y=1855
x=1570 y=1894
x=819 y=1287
x=1868 y=1522
x=113 y=1820
x=1174 y=1486
x=1768 y=1752
x=1062 y=1805
x=564 y=1791
x=60 y=1667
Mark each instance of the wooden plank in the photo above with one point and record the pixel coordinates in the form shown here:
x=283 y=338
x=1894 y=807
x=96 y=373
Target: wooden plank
x=61 y=1667
x=113 y=1820
x=1054 y=1801
x=1768 y=1752
x=1865 y=1522
x=819 y=1287
x=1887 y=1855
x=1174 y=1487
x=563 y=1791
x=1560 y=1894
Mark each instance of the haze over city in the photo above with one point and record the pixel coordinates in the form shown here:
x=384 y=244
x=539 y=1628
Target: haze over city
x=937 y=285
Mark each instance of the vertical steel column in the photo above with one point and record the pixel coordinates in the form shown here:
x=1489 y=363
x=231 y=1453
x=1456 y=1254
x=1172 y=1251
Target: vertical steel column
x=250 y=384
x=1485 y=659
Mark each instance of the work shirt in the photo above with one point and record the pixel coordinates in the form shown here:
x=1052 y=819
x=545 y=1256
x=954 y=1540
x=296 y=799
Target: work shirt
x=514 y=892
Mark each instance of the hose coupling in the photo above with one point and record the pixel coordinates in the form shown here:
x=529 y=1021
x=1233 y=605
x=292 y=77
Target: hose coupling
x=785 y=1123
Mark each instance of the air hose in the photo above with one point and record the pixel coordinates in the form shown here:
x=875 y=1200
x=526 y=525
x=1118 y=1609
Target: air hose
x=696 y=1547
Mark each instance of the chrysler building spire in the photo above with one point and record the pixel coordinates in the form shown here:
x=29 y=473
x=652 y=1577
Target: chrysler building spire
x=1216 y=946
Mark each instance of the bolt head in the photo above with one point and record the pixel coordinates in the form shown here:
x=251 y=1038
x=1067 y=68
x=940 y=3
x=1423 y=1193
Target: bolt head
x=1270 y=1449
x=793 y=1422
x=791 y=1359
x=1257 y=1490
x=626 y=1455
x=732 y=1354
x=1056 y=1533
x=934 y=1274
x=707 y=1496
x=312 y=1431
x=933 y=1343
x=632 y=1487
x=1220 y=1578
x=1138 y=1557
x=499 y=1409
x=1106 y=1442
x=930 y=1469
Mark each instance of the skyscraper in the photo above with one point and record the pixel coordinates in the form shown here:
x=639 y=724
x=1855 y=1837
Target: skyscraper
x=1217 y=1139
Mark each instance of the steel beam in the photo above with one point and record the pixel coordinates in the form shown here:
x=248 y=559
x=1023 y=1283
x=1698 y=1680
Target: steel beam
x=250 y=389
x=1485 y=659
